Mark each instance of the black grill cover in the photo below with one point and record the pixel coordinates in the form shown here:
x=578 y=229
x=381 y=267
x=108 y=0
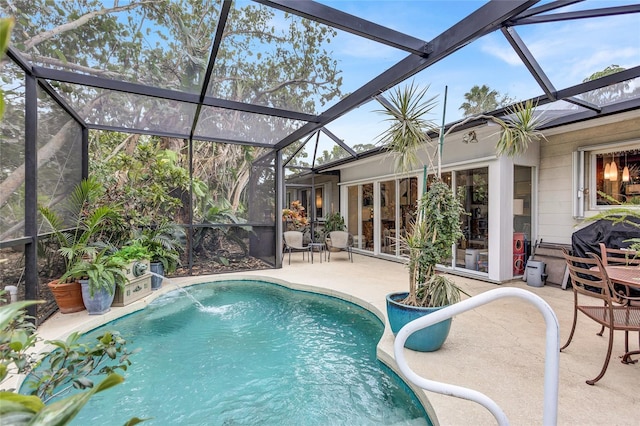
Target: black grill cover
x=604 y=231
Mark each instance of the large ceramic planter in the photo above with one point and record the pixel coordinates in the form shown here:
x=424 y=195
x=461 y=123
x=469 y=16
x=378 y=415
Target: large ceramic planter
x=156 y=268
x=426 y=340
x=68 y=296
x=101 y=301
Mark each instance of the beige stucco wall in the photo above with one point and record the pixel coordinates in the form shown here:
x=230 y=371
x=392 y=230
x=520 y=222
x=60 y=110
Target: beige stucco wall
x=555 y=215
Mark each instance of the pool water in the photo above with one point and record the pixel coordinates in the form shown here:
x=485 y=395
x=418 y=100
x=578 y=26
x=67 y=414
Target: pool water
x=258 y=354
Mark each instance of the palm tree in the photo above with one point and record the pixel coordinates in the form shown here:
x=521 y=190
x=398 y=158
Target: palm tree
x=483 y=99
x=479 y=100
x=408 y=130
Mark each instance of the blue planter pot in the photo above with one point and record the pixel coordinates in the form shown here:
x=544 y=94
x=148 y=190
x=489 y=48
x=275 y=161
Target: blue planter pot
x=101 y=301
x=426 y=340
x=158 y=268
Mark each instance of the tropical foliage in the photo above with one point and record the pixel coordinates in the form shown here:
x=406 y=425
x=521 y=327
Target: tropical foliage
x=428 y=241
x=71 y=365
x=166 y=44
x=436 y=227
x=215 y=232
x=334 y=222
x=148 y=181
x=87 y=228
x=408 y=130
x=6 y=25
x=609 y=94
x=519 y=128
x=295 y=215
x=163 y=242
x=104 y=272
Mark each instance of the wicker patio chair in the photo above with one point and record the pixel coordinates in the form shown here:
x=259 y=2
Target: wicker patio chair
x=590 y=281
x=294 y=241
x=339 y=240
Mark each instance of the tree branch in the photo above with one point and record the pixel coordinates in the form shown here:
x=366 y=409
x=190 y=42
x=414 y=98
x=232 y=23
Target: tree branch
x=69 y=65
x=46 y=35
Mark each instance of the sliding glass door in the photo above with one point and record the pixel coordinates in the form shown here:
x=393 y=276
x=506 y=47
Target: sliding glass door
x=376 y=219
x=472 y=252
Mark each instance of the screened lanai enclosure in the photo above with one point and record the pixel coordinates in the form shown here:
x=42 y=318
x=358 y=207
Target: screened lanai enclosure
x=199 y=113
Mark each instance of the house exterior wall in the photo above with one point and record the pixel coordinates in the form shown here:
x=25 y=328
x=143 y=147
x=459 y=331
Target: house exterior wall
x=458 y=155
x=555 y=196
x=553 y=176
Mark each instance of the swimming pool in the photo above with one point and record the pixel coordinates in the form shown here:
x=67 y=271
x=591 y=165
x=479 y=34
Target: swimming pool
x=258 y=354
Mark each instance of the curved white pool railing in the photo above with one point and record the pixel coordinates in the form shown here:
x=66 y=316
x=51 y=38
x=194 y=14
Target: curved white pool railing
x=551 y=363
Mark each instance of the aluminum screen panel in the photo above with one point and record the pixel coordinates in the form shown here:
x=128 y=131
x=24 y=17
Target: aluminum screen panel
x=158 y=44
x=271 y=58
x=224 y=124
x=130 y=111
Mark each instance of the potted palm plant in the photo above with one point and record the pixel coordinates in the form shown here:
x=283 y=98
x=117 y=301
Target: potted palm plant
x=436 y=228
x=76 y=230
x=98 y=275
x=429 y=241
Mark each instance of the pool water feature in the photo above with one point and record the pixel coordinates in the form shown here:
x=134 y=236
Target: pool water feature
x=186 y=293
x=259 y=354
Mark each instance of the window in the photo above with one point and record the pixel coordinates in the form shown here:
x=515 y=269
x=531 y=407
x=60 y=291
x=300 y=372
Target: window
x=319 y=202
x=616 y=176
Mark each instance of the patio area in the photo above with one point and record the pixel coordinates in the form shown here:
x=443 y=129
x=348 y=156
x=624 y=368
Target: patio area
x=497 y=349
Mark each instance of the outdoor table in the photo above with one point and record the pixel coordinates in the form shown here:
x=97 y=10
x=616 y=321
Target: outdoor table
x=628 y=276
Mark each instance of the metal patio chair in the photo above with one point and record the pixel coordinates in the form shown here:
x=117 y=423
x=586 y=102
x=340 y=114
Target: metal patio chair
x=294 y=241
x=590 y=280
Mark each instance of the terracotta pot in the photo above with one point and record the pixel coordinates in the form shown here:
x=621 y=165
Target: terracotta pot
x=68 y=296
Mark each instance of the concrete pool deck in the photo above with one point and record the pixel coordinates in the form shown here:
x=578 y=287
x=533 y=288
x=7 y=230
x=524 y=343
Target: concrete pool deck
x=497 y=349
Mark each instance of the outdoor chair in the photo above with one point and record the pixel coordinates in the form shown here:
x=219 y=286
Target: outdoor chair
x=294 y=241
x=590 y=282
x=339 y=240
x=618 y=256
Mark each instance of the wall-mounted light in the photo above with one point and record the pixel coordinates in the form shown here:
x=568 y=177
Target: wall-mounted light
x=318 y=200
x=470 y=137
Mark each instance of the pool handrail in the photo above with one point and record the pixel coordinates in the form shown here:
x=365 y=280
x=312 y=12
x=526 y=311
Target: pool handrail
x=552 y=354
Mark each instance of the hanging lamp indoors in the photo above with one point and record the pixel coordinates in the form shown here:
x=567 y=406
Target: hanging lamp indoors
x=607 y=171
x=625 y=171
x=613 y=171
